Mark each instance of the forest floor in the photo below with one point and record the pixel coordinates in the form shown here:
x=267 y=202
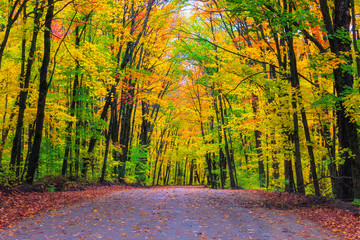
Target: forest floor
x=123 y=212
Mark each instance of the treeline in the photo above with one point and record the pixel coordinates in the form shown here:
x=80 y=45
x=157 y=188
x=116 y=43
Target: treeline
x=252 y=94
x=81 y=86
x=275 y=87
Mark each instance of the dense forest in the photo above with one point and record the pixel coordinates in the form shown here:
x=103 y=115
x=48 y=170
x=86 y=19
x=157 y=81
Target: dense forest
x=227 y=93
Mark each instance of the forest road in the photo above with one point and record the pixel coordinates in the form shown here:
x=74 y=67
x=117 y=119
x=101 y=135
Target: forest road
x=168 y=213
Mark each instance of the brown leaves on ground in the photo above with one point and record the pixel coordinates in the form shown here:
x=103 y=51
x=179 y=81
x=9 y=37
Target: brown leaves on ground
x=339 y=217
x=15 y=204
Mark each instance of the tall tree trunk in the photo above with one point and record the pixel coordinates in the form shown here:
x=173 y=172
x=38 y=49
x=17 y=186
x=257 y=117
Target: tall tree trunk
x=72 y=107
x=340 y=45
x=222 y=158
x=43 y=88
x=140 y=169
x=24 y=85
x=227 y=149
x=294 y=79
x=353 y=28
x=127 y=98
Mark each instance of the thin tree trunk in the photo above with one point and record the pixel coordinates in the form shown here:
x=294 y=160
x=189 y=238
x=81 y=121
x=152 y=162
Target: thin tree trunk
x=261 y=167
x=74 y=101
x=294 y=79
x=191 y=172
x=227 y=150
x=103 y=170
x=289 y=175
x=311 y=152
x=222 y=158
x=353 y=28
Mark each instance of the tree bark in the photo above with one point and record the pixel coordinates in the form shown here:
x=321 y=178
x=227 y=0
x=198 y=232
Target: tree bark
x=340 y=45
x=227 y=150
x=353 y=28
x=72 y=106
x=24 y=85
x=311 y=152
x=294 y=79
x=261 y=167
x=43 y=88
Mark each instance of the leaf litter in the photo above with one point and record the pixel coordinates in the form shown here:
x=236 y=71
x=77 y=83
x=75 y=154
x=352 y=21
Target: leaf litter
x=342 y=219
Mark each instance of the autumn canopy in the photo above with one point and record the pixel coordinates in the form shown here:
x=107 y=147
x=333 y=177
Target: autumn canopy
x=227 y=93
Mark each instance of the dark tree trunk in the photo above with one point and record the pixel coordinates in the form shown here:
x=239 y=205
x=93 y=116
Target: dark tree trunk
x=24 y=85
x=261 y=167
x=167 y=175
x=311 y=152
x=43 y=88
x=222 y=166
x=126 y=108
x=295 y=83
x=13 y=16
x=209 y=170
x=222 y=158
x=227 y=149
x=289 y=175
x=329 y=143
x=158 y=154
x=103 y=170
x=340 y=45
x=140 y=168
x=208 y=159
x=191 y=172
x=275 y=165
x=127 y=98
x=353 y=27
x=294 y=79
x=72 y=108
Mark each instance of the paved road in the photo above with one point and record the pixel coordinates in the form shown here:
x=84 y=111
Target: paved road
x=167 y=213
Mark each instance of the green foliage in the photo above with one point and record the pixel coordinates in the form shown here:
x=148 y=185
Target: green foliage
x=356 y=202
x=223 y=71
x=8 y=178
x=139 y=164
x=327 y=100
